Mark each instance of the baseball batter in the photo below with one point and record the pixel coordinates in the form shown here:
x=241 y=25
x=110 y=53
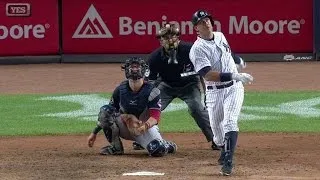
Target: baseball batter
x=133 y=114
x=212 y=59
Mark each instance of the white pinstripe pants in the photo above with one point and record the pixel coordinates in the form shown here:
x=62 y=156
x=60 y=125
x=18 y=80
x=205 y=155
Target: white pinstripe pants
x=224 y=106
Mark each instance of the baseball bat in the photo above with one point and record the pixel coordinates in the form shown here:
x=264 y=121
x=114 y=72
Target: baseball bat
x=188 y=74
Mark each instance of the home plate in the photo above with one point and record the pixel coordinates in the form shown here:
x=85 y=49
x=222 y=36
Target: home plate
x=143 y=173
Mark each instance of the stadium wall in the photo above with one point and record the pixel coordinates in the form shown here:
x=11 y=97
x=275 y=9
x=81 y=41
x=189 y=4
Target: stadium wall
x=66 y=31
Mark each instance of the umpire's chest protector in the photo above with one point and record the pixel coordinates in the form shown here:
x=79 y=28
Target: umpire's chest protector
x=134 y=102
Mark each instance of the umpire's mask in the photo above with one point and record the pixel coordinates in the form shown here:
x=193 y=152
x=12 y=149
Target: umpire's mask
x=169 y=40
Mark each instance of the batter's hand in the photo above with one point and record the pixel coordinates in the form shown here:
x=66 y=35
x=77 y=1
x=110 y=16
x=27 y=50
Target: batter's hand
x=243 y=77
x=91 y=139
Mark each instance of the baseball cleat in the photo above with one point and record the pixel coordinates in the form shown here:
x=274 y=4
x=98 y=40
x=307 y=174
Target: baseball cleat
x=110 y=150
x=226 y=169
x=223 y=173
x=172 y=147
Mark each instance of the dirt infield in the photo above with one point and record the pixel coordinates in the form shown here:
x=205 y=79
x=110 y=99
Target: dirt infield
x=258 y=156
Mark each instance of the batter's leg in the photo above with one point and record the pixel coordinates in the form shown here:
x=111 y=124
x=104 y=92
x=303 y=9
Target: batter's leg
x=233 y=103
x=232 y=107
x=214 y=102
x=231 y=139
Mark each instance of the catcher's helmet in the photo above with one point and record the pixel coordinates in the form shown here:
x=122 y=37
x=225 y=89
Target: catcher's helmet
x=168 y=29
x=199 y=15
x=140 y=71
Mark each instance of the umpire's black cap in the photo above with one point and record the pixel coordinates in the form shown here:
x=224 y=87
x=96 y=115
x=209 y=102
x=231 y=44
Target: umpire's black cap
x=199 y=15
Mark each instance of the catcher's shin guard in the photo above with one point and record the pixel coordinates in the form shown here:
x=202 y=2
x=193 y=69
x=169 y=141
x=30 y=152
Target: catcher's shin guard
x=157 y=148
x=229 y=147
x=107 y=119
x=107 y=133
x=171 y=146
x=113 y=136
x=110 y=150
x=116 y=141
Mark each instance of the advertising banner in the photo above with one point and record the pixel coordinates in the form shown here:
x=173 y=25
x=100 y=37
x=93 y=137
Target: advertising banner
x=316 y=19
x=29 y=27
x=125 y=26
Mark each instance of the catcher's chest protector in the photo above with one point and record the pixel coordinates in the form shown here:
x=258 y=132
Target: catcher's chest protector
x=134 y=103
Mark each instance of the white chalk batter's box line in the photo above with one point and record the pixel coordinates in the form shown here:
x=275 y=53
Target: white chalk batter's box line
x=143 y=173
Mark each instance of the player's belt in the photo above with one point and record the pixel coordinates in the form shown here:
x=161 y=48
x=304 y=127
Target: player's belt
x=220 y=86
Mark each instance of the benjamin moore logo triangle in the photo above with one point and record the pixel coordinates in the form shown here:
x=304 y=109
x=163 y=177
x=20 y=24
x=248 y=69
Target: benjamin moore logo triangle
x=92 y=26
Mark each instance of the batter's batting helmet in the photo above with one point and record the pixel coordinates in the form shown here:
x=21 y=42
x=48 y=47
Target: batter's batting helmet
x=135 y=74
x=168 y=29
x=199 y=15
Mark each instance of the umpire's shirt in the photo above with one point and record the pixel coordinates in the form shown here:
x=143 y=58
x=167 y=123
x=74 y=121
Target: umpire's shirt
x=170 y=73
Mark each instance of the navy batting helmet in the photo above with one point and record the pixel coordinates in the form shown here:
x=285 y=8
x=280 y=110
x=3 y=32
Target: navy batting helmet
x=199 y=15
x=139 y=72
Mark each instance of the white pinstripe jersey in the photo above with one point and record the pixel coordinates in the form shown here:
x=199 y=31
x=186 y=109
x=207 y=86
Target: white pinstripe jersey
x=214 y=53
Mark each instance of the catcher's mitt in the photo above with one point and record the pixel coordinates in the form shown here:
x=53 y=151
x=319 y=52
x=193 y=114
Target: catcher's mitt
x=134 y=125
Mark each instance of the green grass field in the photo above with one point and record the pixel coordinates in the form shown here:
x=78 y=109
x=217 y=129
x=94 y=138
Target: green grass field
x=27 y=115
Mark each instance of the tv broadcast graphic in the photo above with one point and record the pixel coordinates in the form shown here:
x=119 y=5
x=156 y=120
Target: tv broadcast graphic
x=102 y=89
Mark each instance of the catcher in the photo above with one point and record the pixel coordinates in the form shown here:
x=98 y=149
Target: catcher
x=133 y=114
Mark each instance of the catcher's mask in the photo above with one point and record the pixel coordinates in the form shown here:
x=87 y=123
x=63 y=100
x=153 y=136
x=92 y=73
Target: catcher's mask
x=169 y=40
x=135 y=68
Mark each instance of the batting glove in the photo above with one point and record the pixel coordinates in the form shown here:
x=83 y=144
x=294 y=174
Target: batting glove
x=243 y=77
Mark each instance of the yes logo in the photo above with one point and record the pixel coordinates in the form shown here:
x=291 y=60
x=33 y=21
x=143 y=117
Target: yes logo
x=18 y=9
